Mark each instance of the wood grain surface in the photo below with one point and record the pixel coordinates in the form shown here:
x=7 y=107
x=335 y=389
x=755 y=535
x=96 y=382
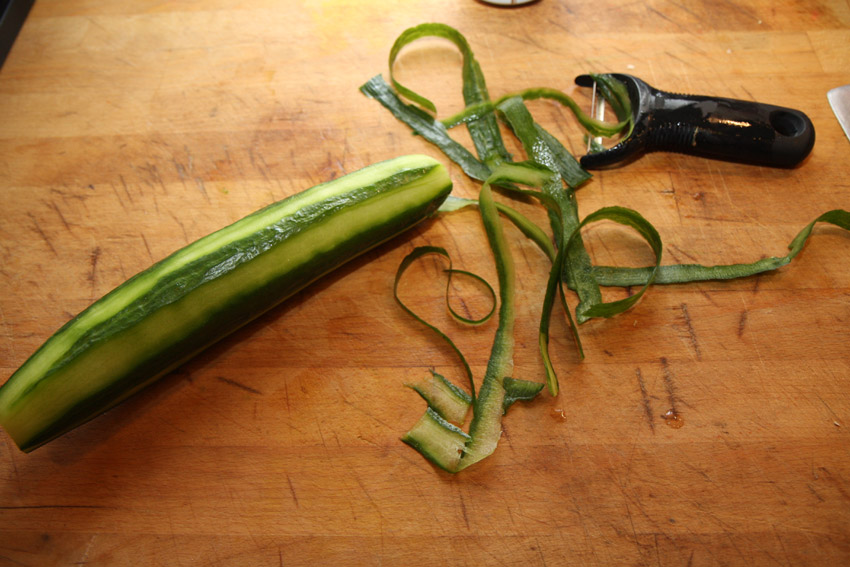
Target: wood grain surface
x=129 y=129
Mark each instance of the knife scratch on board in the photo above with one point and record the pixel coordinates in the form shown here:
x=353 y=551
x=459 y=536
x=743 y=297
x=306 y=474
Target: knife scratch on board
x=692 y=334
x=292 y=492
x=84 y=558
x=126 y=189
x=94 y=258
x=672 y=417
x=647 y=404
x=52 y=205
x=42 y=234
x=742 y=323
x=239 y=385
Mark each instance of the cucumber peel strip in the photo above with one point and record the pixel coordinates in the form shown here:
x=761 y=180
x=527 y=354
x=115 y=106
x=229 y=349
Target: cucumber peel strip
x=529 y=228
x=483 y=130
x=408 y=260
x=440 y=441
x=450 y=402
x=633 y=219
x=555 y=174
x=561 y=203
x=517 y=390
x=426 y=126
x=684 y=273
x=534 y=174
x=593 y=126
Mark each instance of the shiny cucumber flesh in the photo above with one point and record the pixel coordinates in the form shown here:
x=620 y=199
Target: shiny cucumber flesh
x=166 y=314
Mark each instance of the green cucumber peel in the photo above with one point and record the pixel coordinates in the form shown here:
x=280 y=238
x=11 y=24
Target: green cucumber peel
x=532 y=174
x=554 y=174
x=517 y=390
x=617 y=95
x=415 y=255
x=426 y=126
x=485 y=428
x=528 y=227
x=433 y=434
x=593 y=126
x=627 y=217
x=685 y=273
x=561 y=204
x=484 y=130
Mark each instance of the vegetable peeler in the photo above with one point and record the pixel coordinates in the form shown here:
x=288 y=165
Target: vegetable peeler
x=713 y=127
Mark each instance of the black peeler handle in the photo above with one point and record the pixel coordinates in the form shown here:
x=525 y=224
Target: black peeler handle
x=707 y=126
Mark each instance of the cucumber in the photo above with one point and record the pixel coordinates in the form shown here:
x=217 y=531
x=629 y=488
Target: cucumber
x=163 y=316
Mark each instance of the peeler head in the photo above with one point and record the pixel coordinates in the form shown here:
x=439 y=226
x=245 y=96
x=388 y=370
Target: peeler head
x=629 y=148
x=713 y=127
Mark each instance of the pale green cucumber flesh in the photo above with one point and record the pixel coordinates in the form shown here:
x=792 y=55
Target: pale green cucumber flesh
x=178 y=307
x=437 y=440
x=450 y=402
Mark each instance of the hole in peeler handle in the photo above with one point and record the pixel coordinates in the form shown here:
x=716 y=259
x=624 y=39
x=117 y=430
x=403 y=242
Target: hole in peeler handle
x=787 y=123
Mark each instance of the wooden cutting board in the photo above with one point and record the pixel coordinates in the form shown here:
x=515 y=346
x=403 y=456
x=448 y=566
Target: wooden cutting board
x=130 y=129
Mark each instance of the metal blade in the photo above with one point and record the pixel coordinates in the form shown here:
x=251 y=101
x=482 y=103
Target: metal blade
x=597 y=110
x=839 y=100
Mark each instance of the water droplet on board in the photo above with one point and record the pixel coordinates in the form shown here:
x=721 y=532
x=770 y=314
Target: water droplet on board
x=559 y=414
x=673 y=419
